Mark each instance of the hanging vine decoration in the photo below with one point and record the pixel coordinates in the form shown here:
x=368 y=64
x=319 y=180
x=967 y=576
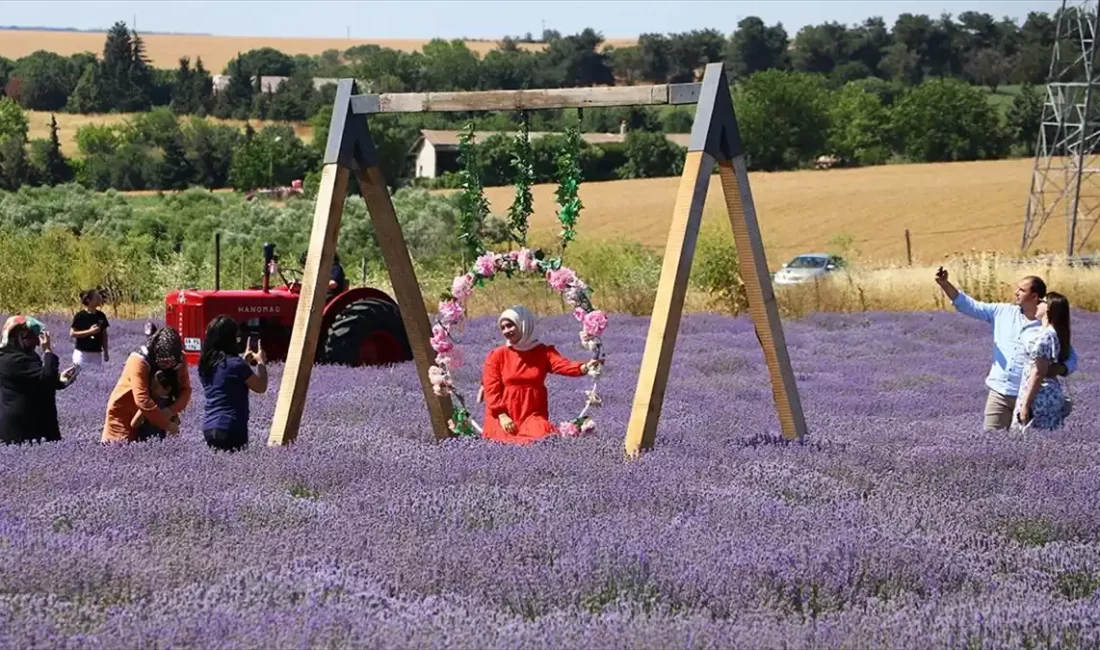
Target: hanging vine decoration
x=523 y=203
x=569 y=181
x=472 y=204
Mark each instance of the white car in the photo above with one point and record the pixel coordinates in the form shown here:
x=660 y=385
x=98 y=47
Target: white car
x=804 y=268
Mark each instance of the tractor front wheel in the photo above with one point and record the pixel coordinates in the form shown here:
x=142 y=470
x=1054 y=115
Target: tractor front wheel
x=367 y=332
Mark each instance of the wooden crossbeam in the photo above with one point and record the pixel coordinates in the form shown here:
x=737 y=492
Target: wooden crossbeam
x=520 y=100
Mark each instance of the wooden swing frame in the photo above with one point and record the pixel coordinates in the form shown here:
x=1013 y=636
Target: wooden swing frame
x=714 y=140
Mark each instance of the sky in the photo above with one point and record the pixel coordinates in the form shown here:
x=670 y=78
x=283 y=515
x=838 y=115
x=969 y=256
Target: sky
x=489 y=19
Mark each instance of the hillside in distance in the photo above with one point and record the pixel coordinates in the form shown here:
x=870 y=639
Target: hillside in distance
x=165 y=50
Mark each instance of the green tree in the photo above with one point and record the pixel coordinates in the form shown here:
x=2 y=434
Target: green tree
x=265 y=61
x=210 y=150
x=755 y=47
x=235 y=100
x=202 y=89
x=176 y=172
x=184 y=99
x=783 y=118
x=450 y=65
x=945 y=120
x=15 y=170
x=54 y=169
x=13 y=122
x=651 y=155
x=294 y=100
x=1025 y=118
x=88 y=95
x=859 y=132
x=45 y=80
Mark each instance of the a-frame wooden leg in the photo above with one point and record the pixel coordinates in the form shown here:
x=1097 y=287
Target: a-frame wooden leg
x=714 y=137
x=668 y=306
x=406 y=290
x=311 y=304
x=762 y=306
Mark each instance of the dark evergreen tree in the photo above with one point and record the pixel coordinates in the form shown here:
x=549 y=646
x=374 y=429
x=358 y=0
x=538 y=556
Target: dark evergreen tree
x=184 y=101
x=176 y=171
x=202 y=88
x=55 y=169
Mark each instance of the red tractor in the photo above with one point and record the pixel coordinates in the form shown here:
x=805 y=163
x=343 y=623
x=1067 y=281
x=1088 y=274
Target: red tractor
x=360 y=326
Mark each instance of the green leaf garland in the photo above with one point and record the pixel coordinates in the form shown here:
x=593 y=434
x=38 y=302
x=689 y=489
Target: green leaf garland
x=523 y=204
x=569 y=181
x=473 y=206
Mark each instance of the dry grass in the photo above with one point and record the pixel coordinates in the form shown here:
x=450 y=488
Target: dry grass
x=803 y=211
x=165 y=50
x=68 y=123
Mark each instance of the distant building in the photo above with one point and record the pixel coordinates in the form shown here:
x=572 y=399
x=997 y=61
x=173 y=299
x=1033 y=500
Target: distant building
x=268 y=84
x=436 y=152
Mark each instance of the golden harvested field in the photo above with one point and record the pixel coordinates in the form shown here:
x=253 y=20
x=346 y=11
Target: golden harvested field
x=800 y=212
x=165 y=50
x=68 y=123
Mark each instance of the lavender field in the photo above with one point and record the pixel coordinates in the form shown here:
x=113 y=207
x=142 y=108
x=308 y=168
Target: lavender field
x=898 y=523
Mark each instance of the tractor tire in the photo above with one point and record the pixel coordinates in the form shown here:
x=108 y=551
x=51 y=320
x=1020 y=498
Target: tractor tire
x=367 y=332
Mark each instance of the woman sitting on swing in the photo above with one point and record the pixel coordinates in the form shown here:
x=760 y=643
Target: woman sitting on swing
x=514 y=381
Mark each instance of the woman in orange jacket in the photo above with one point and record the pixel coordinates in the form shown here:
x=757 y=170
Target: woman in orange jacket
x=133 y=392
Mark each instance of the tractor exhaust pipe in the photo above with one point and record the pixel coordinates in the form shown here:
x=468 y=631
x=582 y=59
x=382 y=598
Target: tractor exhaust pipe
x=269 y=257
x=217 y=261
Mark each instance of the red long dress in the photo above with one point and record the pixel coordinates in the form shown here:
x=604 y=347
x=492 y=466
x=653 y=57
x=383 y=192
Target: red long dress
x=515 y=384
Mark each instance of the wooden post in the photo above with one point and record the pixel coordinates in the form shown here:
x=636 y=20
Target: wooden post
x=311 y=303
x=350 y=150
x=363 y=267
x=753 y=265
x=908 y=248
x=406 y=290
x=664 y=324
x=714 y=137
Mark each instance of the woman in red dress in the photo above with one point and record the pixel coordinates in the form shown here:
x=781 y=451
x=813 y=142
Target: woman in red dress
x=514 y=381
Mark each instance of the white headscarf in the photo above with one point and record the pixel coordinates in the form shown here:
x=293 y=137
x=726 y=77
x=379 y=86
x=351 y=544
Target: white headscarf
x=525 y=322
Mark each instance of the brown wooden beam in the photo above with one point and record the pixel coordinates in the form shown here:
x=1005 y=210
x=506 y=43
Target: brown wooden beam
x=664 y=324
x=520 y=100
x=406 y=290
x=753 y=265
x=311 y=304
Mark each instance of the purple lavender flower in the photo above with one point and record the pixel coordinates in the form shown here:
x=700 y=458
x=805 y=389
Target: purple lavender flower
x=896 y=523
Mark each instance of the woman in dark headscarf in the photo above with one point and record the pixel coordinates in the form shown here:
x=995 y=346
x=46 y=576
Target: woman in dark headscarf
x=132 y=393
x=29 y=384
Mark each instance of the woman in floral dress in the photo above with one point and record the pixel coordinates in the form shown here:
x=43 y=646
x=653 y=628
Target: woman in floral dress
x=1041 y=400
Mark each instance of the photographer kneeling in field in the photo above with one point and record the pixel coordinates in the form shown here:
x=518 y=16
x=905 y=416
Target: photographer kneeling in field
x=1011 y=321
x=133 y=392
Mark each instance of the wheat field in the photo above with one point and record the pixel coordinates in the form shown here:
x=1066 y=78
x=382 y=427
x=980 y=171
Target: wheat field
x=165 y=50
x=948 y=208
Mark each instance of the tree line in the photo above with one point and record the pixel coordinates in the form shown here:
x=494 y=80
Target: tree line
x=973 y=47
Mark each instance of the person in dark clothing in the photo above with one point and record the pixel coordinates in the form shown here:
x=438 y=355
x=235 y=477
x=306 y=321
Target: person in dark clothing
x=89 y=331
x=29 y=384
x=338 y=281
x=226 y=380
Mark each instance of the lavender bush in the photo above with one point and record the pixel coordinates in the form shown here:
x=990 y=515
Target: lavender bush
x=898 y=523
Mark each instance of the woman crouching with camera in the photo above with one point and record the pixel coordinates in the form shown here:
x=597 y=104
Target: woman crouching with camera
x=226 y=381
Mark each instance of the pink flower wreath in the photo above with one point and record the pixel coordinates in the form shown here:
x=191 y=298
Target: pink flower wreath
x=451 y=313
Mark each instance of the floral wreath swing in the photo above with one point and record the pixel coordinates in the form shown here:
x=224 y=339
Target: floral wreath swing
x=490 y=265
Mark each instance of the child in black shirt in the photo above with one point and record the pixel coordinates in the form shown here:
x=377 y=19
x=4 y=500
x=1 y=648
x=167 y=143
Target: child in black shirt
x=89 y=331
